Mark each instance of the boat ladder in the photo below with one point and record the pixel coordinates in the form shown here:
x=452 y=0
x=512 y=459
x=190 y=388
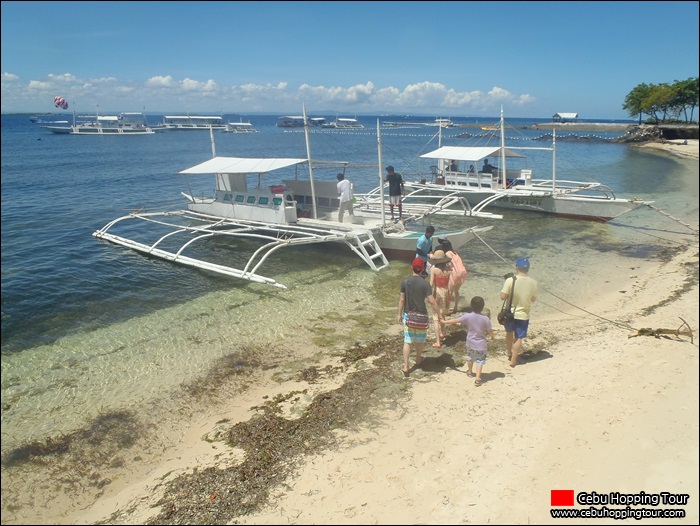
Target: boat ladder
x=365 y=245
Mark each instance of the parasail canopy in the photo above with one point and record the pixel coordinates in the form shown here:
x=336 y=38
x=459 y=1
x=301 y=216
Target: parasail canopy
x=60 y=102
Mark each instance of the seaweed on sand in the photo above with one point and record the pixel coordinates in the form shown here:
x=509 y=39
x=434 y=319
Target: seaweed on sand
x=275 y=446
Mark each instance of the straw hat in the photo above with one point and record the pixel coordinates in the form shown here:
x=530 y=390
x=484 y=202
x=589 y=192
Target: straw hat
x=439 y=257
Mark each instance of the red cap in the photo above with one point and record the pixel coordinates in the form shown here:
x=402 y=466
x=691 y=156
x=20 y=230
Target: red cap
x=418 y=265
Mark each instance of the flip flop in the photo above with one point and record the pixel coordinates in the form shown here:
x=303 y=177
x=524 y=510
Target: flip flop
x=470 y=374
x=406 y=373
x=478 y=382
x=437 y=346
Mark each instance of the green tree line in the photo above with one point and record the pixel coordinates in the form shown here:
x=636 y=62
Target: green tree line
x=663 y=103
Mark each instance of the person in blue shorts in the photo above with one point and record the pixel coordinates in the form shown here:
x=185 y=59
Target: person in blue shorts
x=524 y=295
x=414 y=291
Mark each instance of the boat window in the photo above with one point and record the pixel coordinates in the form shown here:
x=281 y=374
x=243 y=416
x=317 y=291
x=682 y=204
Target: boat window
x=264 y=200
x=251 y=199
x=227 y=197
x=239 y=198
x=324 y=201
x=277 y=200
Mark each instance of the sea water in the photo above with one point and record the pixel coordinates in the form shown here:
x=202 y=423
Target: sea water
x=89 y=327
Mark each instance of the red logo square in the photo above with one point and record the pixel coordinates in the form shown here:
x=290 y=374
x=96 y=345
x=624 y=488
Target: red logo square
x=562 y=497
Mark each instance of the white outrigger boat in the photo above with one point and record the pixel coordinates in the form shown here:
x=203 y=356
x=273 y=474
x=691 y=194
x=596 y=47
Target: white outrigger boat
x=457 y=173
x=239 y=127
x=128 y=123
x=244 y=207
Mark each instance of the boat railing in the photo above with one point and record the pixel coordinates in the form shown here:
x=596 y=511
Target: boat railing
x=468 y=179
x=563 y=186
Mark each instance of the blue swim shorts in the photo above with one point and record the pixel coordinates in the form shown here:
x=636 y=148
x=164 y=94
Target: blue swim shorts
x=519 y=327
x=478 y=357
x=413 y=335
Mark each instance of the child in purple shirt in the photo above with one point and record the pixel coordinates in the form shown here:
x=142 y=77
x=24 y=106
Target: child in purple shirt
x=478 y=327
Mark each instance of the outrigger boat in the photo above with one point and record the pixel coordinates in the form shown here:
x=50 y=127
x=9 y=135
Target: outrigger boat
x=128 y=123
x=456 y=172
x=244 y=207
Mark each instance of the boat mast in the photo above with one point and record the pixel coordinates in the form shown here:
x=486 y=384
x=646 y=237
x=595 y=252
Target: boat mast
x=381 y=175
x=213 y=145
x=311 y=169
x=554 y=158
x=503 y=153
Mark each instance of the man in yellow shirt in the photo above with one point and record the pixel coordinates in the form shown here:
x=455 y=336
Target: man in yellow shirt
x=524 y=294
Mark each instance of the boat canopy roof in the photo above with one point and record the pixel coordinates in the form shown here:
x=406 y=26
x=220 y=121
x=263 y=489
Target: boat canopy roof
x=195 y=117
x=469 y=153
x=241 y=165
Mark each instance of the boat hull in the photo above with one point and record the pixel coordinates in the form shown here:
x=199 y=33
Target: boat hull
x=586 y=208
x=97 y=130
x=403 y=246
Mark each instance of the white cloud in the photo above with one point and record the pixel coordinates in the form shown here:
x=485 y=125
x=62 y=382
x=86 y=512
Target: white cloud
x=160 y=82
x=165 y=93
x=195 y=85
x=66 y=77
x=39 y=85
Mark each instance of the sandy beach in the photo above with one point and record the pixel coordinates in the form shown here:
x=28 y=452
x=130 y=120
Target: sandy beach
x=681 y=148
x=602 y=407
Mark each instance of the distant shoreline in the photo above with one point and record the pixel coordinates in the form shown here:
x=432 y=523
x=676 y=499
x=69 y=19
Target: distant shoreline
x=583 y=126
x=571 y=126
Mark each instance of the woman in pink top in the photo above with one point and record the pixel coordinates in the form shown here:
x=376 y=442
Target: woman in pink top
x=458 y=273
x=440 y=283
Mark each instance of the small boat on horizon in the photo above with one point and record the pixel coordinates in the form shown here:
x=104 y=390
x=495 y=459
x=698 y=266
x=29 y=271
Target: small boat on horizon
x=126 y=123
x=192 y=122
x=239 y=127
x=297 y=121
x=344 y=123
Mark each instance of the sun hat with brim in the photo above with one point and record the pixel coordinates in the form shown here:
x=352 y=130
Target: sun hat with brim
x=439 y=257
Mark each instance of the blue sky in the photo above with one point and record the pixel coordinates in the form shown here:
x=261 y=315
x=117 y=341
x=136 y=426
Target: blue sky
x=434 y=58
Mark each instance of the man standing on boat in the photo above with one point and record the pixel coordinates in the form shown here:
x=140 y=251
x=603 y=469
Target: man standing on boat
x=488 y=167
x=396 y=190
x=345 y=191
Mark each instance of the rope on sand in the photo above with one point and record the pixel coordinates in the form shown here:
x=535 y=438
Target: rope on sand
x=673 y=218
x=680 y=331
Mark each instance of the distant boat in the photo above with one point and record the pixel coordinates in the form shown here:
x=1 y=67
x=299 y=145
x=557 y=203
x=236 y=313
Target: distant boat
x=128 y=123
x=490 y=127
x=442 y=123
x=192 y=122
x=297 y=121
x=344 y=123
x=46 y=119
x=239 y=127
